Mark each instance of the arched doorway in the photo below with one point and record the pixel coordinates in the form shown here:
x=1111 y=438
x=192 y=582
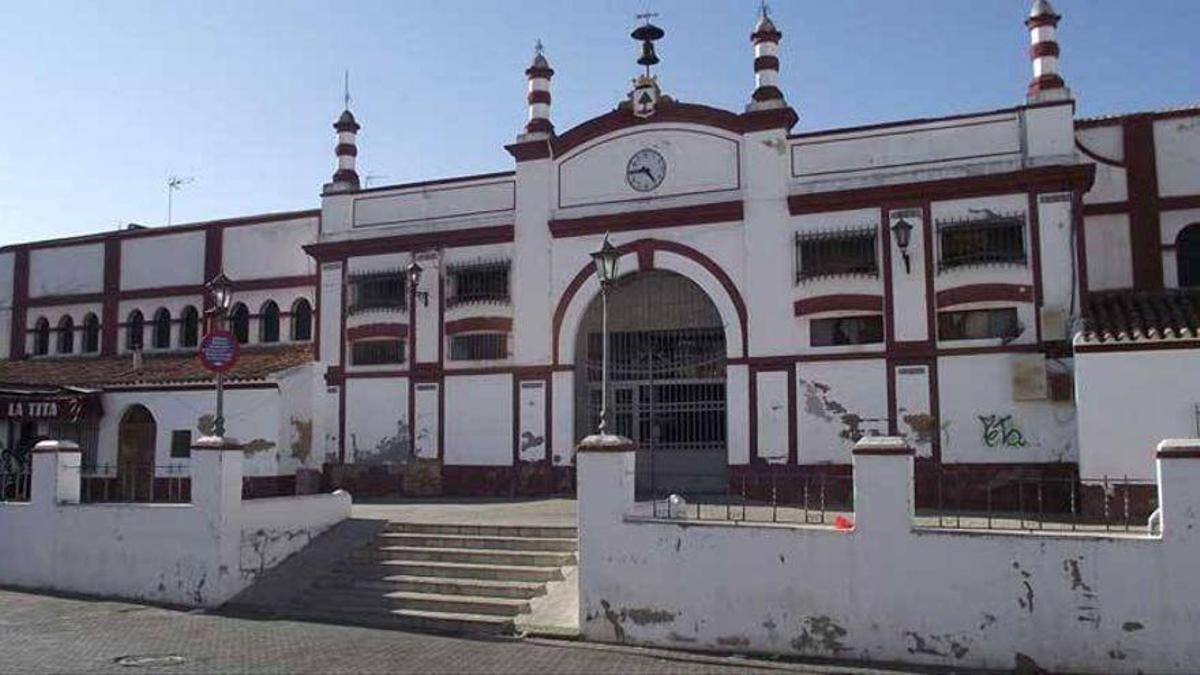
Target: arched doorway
x=666 y=380
x=1187 y=255
x=135 y=453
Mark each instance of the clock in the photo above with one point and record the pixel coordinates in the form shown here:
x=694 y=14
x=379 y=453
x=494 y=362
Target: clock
x=646 y=170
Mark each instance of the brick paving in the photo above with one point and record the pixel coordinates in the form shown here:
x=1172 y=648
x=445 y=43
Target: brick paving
x=44 y=634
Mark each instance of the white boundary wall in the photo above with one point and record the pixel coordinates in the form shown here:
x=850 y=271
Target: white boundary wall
x=198 y=554
x=889 y=591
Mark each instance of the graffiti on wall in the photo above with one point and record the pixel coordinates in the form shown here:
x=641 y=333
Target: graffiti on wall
x=1001 y=432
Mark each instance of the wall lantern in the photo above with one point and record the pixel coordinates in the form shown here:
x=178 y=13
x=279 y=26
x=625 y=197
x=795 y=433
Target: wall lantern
x=221 y=290
x=414 y=279
x=606 y=262
x=903 y=231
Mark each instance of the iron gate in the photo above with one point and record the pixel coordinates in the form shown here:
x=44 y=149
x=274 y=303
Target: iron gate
x=666 y=382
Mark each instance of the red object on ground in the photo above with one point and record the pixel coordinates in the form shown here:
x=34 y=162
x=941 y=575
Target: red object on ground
x=843 y=523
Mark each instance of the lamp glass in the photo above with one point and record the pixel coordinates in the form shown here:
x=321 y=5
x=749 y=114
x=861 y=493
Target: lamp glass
x=606 y=261
x=222 y=291
x=414 y=274
x=903 y=230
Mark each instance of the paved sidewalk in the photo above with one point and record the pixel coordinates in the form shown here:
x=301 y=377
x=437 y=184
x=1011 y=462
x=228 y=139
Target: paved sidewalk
x=43 y=634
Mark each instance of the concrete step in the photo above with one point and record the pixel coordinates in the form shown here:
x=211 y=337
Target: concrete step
x=447 y=586
x=552 y=531
x=411 y=619
x=479 y=556
x=446 y=570
x=433 y=602
x=482 y=541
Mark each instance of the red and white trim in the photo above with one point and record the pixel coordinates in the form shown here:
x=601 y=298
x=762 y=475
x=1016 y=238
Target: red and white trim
x=539 y=73
x=765 y=38
x=1047 y=84
x=345 y=179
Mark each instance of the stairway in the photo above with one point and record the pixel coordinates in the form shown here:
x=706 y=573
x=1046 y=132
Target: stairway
x=446 y=578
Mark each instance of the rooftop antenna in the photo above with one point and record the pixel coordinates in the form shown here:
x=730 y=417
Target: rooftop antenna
x=763 y=9
x=174 y=183
x=346 y=90
x=373 y=176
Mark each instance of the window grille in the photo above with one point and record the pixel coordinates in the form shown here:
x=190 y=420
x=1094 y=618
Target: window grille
x=239 y=323
x=376 y=352
x=478 y=283
x=836 y=253
x=993 y=240
x=846 y=330
x=161 y=335
x=133 y=330
x=479 y=347
x=268 y=322
x=41 y=337
x=189 y=327
x=66 y=335
x=378 y=290
x=302 y=321
x=979 y=324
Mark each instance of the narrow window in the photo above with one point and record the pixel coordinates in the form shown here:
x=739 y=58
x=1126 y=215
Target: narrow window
x=239 y=323
x=846 y=330
x=376 y=352
x=91 y=334
x=478 y=283
x=134 y=328
x=162 y=329
x=302 y=320
x=41 y=337
x=479 y=347
x=66 y=335
x=994 y=239
x=979 y=324
x=837 y=253
x=268 y=322
x=1187 y=255
x=181 y=443
x=189 y=327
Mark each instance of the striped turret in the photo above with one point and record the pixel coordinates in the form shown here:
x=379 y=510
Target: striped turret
x=766 y=65
x=539 y=73
x=1047 y=84
x=345 y=179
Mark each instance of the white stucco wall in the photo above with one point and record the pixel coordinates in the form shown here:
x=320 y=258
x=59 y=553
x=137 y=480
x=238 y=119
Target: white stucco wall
x=1127 y=400
x=65 y=270
x=1109 y=258
x=163 y=260
x=479 y=420
x=1177 y=153
x=377 y=421
x=837 y=404
x=266 y=250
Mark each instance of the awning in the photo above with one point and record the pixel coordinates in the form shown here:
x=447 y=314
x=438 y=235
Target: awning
x=63 y=404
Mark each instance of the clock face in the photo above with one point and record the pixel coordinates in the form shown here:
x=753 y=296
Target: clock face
x=646 y=170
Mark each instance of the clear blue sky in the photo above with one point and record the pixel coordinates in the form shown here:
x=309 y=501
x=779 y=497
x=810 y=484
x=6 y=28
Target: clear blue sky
x=104 y=100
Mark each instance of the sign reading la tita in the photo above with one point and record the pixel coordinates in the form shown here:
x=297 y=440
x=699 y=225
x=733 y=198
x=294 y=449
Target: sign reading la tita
x=218 y=351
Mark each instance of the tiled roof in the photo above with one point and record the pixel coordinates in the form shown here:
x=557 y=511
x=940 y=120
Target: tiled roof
x=1124 y=316
x=254 y=364
x=1159 y=111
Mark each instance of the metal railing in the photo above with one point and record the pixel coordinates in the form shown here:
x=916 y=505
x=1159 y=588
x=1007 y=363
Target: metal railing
x=956 y=501
x=996 y=239
x=109 y=483
x=480 y=282
x=836 y=253
x=767 y=495
x=15 y=485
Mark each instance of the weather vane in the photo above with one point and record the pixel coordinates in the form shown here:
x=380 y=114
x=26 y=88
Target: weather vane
x=538 y=48
x=346 y=89
x=763 y=9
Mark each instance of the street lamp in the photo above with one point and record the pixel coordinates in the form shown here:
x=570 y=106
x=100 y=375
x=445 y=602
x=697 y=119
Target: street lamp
x=220 y=288
x=414 y=279
x=903 y=231
x=605 y=261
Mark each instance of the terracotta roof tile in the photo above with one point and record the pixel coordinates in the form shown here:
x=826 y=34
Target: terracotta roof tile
x=1121 y=316
x=254 y=364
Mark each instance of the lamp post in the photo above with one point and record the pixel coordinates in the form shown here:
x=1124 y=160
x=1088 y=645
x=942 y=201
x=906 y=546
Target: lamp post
x=221 y=290
x=605 y=261
x=903 y=231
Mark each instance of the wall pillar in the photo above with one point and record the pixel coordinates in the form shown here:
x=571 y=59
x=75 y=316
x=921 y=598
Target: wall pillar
x=605 y=476
x=216 y=475
x=55 y=477
x=1178 y=496
x=883 y=485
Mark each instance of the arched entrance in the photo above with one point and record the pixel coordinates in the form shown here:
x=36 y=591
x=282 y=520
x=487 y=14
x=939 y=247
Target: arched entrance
x=135 y=453
x=666 y=380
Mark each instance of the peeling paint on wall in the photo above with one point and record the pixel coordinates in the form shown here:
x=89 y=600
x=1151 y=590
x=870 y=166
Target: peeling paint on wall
x=302 y=438
x=821 y=636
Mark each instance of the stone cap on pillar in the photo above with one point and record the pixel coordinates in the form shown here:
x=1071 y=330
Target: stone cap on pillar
x=606 y=443
x=53 y=447
x=883 y=445
x=217 y=443
x=1179 y=448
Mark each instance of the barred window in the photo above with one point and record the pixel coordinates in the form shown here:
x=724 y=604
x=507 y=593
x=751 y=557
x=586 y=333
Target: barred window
x=478 y=282
x=378 y=290
x=839 y=253
x=91 y=334
x=479 y=347
x=376 y=352
x=846 y=330
x=994 y=239
x=979 y=324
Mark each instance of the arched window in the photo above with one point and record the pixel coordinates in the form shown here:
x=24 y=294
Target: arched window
x=189 y=327
x=66 y=335
x=239 y=323
x=134 y=328
x=162 y=329
x=1187 y=255
x=268 y=322
x=91 y=334
x=302 y=321
x=41 y=337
